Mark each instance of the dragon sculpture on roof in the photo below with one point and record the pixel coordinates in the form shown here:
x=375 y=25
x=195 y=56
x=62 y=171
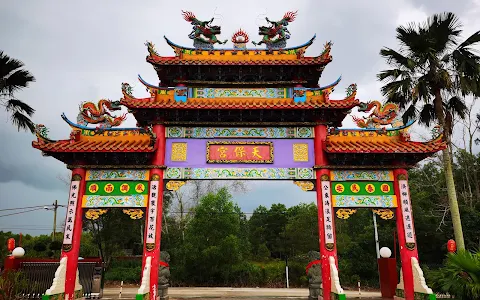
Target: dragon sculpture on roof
x=204 y=35
x=276 y=35
x=386 y=114
x=91 y=113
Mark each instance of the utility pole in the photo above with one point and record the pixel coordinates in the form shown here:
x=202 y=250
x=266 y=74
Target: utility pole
x=55 y=207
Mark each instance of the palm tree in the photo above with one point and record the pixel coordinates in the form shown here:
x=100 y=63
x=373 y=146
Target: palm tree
x=430 y=75
x=13 y=79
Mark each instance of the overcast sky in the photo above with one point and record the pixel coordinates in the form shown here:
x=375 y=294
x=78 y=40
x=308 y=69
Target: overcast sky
x=83 y=50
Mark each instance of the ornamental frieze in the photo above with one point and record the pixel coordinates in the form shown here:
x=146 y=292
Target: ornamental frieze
x=240 y=132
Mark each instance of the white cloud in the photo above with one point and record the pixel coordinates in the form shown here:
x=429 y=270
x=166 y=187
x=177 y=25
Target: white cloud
x=408 y=13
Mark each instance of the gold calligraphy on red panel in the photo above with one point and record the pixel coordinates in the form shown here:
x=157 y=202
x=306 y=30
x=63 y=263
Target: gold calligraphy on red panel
x=225 y=152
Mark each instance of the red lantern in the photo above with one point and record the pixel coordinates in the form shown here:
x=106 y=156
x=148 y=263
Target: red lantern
x=11 y=244
x=451 y=246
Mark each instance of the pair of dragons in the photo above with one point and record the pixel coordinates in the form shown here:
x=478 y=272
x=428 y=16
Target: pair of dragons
x=91 y=113
x=204 y=34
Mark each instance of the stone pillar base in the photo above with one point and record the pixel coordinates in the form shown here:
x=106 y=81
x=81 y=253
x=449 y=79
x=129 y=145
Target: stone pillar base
x=334 y=296
x=78 y=296
x=400 y=295
x=314 y=291
x=142 y=296
x=163 y=292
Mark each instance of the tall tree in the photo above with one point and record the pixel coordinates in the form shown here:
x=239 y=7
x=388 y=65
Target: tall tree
x=431 y=73
x=214 y=239
x=14 y=78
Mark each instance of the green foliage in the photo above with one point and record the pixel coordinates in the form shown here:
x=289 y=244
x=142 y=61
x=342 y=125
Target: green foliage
x=302 y=229
x=263 y=253
x=12 y=283
x=55 y=245
x=114 y=232
x=127 y=271
x=459 y=277
x=40 y=247
x=213 y=239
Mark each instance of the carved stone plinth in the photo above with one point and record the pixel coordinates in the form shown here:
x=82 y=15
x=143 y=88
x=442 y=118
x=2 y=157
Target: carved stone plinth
x=314 y=291
x=163 y=292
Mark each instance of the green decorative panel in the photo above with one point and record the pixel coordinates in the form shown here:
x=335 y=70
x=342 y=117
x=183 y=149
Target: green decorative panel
x=239 y=173
x=97 y=201
x=368 y=188
x=117 y=175
x=240 y=92
x=240 y=132
x=116 y=188
x=104 y=194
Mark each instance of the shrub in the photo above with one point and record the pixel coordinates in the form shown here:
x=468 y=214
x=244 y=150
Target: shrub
x=128 y=271
x=127 y=275
x=12 y=283
x=460 y=276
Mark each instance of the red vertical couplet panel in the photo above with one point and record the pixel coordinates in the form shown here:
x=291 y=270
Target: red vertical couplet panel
x=326 y=222
x=405 y=229
x=153 y=228
x=73 y=230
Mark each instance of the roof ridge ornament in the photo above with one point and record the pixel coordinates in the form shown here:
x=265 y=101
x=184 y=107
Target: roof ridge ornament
x=386 y=114
x=240 y=40
x=151 y=48
x=326 y=49
x=276 y=35
x=91 y=113
x=351 y=90
x=41 y=131
x=204 y=35
x=127 y=90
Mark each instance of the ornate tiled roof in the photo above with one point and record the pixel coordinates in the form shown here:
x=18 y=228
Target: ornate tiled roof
x=237 y=60
x=238 y=103
x=84 y=139
x=314 y=98
x=379 y=141
x=112 y=145
x=192 y=56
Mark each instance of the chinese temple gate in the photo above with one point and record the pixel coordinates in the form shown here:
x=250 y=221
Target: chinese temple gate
x=238 y=113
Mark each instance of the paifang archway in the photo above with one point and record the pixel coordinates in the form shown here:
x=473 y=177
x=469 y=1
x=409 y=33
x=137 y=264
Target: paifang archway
x=249 y=114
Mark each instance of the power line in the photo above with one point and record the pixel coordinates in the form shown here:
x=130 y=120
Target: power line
x=32 y=225
x=22 y=212
x=27 y=207
x=29 y=229
x=23 y=228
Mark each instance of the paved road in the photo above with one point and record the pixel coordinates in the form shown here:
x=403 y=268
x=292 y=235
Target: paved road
x=223 y=293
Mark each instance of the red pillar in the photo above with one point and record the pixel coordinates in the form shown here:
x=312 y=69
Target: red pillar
x=329 y=249
x=405 y=230
x=73 y=230
x=156 y=183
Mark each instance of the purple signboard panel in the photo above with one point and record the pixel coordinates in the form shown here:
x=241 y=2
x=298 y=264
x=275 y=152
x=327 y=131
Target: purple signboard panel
x=283 y=154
